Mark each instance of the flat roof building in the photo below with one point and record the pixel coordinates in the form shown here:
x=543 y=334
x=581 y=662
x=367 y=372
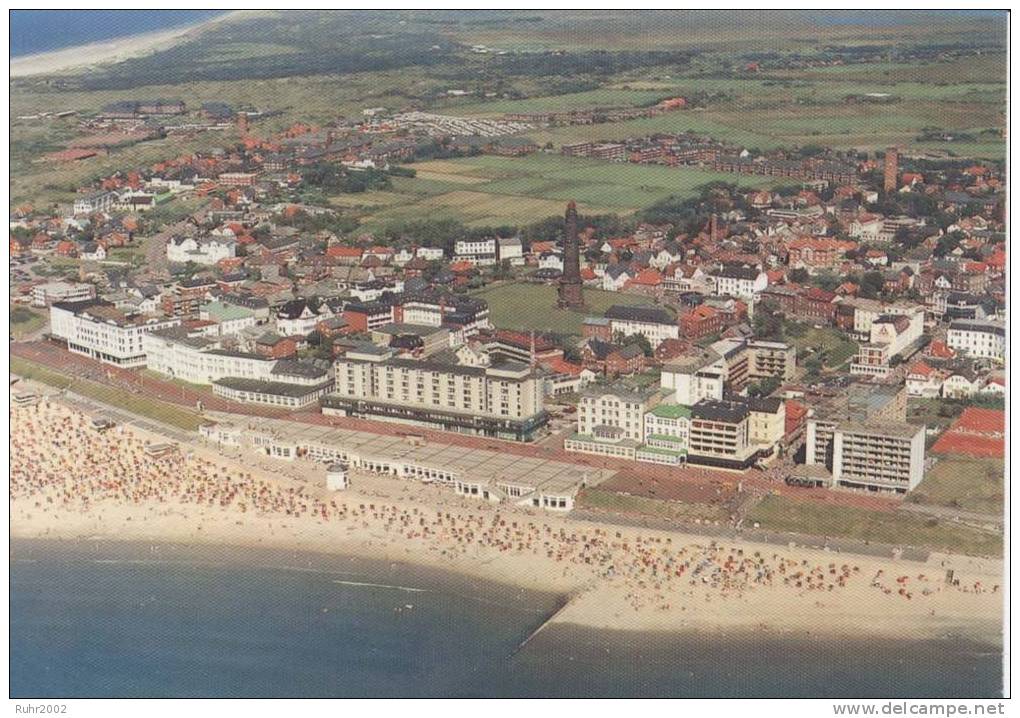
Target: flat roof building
x=504 y=399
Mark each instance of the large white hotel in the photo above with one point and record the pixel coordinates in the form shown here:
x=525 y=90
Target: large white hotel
x=504 y=400
x=99 y=330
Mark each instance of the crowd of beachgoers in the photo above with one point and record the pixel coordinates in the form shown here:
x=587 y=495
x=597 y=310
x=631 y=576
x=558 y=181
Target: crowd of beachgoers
x=61 y=462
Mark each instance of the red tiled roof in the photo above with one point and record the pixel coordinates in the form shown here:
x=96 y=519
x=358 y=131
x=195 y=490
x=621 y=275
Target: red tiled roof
x=984 y=421
x=338 y=250
x=920 y=368
x=940 y=350
x=979 y=446
x=561 y=366
x=647 y=277
x=977 y=432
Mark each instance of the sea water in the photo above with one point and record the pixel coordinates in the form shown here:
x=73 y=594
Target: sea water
x=35 y=31
x=130 y=620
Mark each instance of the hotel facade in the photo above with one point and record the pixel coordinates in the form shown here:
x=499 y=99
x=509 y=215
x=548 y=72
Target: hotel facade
x=504 y=400
x=99 y=330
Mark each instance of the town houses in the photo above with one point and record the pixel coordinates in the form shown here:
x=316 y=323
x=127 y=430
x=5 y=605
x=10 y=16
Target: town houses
x=701 y=336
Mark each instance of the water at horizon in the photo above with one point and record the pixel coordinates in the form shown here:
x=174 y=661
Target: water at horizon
x=115 y=620
x=34 y=31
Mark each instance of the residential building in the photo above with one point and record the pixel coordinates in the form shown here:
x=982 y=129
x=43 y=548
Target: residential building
x=739 y=281
x=666 y=434
x=99 y=330
x=300 y=317
x=47 y=293
x=229 y=318
x=478 y=252
x=653 y=323
x=610 y=419
x=720 y=435
x=891 y=336
x=94 y=202
x=694 y=377
x=200 y=250
x=767 y=422
x=878 y=456
x=777 y=359
x=978 y=339
x=504 y=400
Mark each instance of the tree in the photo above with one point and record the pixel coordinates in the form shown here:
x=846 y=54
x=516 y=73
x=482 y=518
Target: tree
x=768 y=324
x=798 y=275
x=764 y=387
x=872 y=284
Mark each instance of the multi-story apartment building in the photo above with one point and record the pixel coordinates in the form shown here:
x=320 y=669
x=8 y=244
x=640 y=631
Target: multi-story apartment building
x=691 y=378
x=610 y=151
x=504 y=399
x=890 y=336
x=878 y=412
x=739 y=281
x=655 y=324
x=237 y=179
x=667 y=431
x=735 y=361
x=203 y=360
x=47 y=293
x=979 y=339
x=463 y=316
x=479 y=252
x=99 y=330
x=777 y=359
x=610 y=419
x=720 y=435
x=878 y=456
x=767 y=422
x=619 y=407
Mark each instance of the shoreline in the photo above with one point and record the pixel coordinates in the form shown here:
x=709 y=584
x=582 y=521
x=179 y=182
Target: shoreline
x=616 y=577
x=108 y=51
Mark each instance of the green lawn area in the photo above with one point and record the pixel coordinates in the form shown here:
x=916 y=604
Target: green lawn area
x=834 y=346
x=778 y=513
x=144 y=406
x=491 y=190
x=594 y=498
x=965 y=483
x=533 y=306
x=25 y=321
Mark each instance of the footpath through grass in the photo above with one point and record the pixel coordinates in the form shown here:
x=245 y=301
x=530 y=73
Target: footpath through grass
x=155 y=409
x=778 y=513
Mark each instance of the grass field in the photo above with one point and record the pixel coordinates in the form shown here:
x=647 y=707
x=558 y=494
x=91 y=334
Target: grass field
x=964 y=483
x=137 y=404
x=643 y=506
x=490 y=190
x=778 y=513
x=24 y=321
x=533 y=306
x=828 y=341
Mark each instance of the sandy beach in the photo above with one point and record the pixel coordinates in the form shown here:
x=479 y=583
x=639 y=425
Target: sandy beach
x=69 y=481
x=109 y=51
